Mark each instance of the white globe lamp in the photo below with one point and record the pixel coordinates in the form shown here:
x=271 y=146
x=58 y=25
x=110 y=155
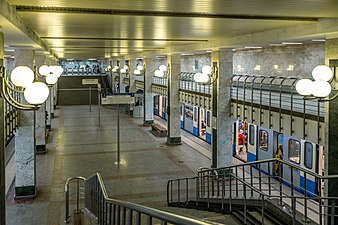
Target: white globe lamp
x=322 y=72
x=139 y=67
x=123 y=70
x=206 y=69
x=321 y=88
x=44 y=70
x=109 y=67
x=201 y=78
x=22 y=76
x=125 y=67
x=57 y=70
x=304 y=86
x=159 y=73
x=36 y=93
x=163 y=68
x=51 y=79
x=137 y=72
x=116 y=67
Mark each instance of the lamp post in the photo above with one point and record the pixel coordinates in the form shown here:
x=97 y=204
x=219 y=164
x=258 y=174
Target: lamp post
x=35 y=93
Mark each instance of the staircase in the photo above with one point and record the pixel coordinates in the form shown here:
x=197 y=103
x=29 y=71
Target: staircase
x=254 y=196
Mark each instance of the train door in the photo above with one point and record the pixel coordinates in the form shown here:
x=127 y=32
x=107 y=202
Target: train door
x=164 y=107
x=182 y=116
x=160 y=108
x=156 y=105
x=195 y=121
x=202 y=123
x=208 y=127
x=265 y=146
x=188 y=118
x=252 y=143
x=241 y=140
x=292 y=153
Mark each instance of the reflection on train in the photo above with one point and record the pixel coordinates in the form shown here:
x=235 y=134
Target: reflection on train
x=195 y=120
x=253 y=142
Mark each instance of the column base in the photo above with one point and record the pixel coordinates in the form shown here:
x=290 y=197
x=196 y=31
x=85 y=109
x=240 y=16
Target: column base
x=41 y=149
x=55 y=107
x=49 y=127
x=25 y=192
x=147 y=123
x=174 y=141
x=52 y=115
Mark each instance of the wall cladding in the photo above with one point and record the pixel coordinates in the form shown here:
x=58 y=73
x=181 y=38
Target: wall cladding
x=293 y=61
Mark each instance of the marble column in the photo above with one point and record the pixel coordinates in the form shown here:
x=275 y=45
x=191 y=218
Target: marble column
x=221 y=109
x=25 y=179
x=52 y=93
x=40 y=115
x=331 y=120
x=48 y=101
x=174 y=106
x=2 y=143
x=132 y=82
x=122 y=75
x=148 y=118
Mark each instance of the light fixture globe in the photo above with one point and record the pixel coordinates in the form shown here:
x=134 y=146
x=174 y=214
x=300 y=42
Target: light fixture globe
x=206 y=69
x=57 y=70
x=22 y=76
x=163 y=68
x=159 y=73
x=137 y=72
x=322 y=88
x=114 y=70
x=44 y=70
x=139 y=67
x=51 y=79
x=322 y=72
x=304 y=87
x=36 y=93
x=109 y=67
x=123 y=70
x=125 y=67
x=201 y=78
x=116 y=67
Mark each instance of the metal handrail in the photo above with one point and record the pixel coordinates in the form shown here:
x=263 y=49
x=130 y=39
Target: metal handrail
x=112 y=211
x=106 y=205
x=78 y=179
x=276 y=160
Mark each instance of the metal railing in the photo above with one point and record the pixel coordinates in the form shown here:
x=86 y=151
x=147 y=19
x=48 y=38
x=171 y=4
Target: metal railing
x=83 y=72
x=111 y=211
x=78 y=193
x=258 y=181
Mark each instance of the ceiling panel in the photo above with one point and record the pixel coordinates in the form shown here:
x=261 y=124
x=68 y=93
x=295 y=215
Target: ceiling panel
x=309 y=8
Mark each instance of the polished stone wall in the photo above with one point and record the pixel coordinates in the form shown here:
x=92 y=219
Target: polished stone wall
x=194 y=63
x=286 y=61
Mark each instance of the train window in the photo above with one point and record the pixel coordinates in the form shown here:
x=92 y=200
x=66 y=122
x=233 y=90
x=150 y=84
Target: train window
x=208 y=118
x=308 y=155
x=195 y=114
x=294 y=151
x=263 y=140
x=251 y=134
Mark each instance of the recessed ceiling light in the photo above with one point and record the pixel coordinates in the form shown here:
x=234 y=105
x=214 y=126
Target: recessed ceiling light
x=292 y=43
x=254 y=47
x=277 y=44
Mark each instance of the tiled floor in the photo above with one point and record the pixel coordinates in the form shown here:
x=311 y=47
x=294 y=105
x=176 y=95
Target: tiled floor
x=77 y=146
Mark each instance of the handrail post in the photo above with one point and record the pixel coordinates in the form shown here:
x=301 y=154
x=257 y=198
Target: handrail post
x=67 y=204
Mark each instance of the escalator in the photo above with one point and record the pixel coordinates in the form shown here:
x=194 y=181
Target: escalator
x=106 y=87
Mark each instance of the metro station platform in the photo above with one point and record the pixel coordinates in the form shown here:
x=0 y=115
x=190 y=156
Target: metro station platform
x=78 y=146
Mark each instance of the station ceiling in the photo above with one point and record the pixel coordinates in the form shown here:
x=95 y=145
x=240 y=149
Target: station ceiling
x=116 y=28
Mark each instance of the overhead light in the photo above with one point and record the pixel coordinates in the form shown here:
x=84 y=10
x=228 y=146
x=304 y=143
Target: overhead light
x=292 y=43
x=254 y=47
x=208 y=51
x=70 y=59
x=9 y=50
x=318 y=40
x=277 y=44
x=187 y=54
x=92 y=59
